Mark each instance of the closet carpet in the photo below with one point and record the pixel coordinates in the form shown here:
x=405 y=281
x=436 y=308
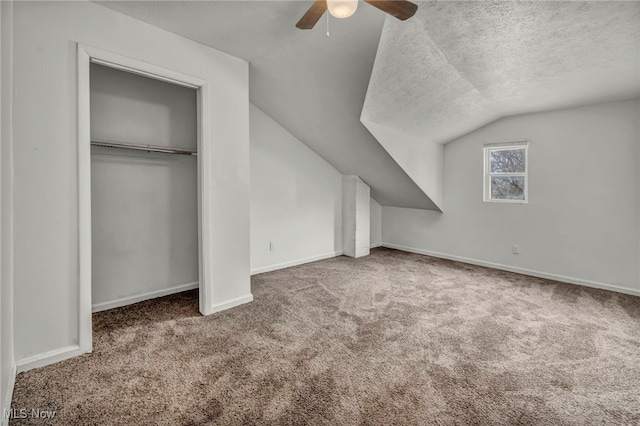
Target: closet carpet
x=392 y=338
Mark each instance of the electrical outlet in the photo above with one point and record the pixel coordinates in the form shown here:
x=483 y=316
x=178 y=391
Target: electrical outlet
x=272 y=246
x=515 y=249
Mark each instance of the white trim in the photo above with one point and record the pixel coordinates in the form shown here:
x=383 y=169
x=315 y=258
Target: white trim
x=129 y=300
x=124 y=63
x=523 y=271
x=9 y=395
x=205 y=200
x=232 y=303
x=376 y=245
x=85 y=339
x=47 y=358
x=506 y=143
x=296 y=262
x=505 y=201
x=85 y=55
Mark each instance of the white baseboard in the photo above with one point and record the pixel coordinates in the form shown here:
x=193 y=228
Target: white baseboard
x=523 y=271
x=295 y=262
x=47 y=358
x=6 y=404
x=103 y=306
x=231 y=303
x=376 y=245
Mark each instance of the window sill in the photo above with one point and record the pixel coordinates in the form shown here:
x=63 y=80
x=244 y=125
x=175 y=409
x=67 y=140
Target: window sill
x=507 y=201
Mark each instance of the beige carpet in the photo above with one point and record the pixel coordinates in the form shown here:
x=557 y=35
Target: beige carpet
x=393 y=338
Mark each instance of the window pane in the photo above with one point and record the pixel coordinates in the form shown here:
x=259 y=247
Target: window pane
x=508 y=160
x=507 y=187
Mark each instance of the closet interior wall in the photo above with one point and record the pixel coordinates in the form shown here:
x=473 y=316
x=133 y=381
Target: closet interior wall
x=144 y=206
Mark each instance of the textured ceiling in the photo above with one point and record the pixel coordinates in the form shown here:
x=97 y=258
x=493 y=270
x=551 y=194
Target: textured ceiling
x=450 y=69
x=313 y=85
x=458 y=65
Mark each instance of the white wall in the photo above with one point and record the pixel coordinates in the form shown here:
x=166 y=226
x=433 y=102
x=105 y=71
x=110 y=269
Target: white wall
x=127 y=107
x=46 y=170
x=420 y=158
x=375 y=223
x=363 y=218
x=582 y=219
x=7 y=365
x=356 y=216
x=144 y=215
x=144 y=225
x=296 y=199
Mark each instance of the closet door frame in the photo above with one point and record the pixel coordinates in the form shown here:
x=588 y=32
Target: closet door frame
x=86 y=56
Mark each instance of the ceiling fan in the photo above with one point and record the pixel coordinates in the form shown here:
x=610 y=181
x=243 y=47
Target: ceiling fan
x=400 y=9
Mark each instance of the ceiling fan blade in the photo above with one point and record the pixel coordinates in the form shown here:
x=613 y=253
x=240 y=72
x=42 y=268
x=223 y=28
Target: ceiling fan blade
x=400 y=9
x=313 y=15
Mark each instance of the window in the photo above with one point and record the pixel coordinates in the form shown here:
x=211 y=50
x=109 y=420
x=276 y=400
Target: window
x=505 y=172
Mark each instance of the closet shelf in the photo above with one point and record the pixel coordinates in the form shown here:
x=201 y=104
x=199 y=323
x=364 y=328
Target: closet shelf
x=150 y=148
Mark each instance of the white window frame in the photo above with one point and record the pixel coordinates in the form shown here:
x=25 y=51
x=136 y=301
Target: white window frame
x=501 y=146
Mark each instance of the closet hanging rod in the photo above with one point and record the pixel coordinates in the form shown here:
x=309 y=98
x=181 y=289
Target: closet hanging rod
x=151 y=148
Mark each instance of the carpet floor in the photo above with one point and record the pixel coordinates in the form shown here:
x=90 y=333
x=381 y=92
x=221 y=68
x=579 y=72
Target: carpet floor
x=392 y=338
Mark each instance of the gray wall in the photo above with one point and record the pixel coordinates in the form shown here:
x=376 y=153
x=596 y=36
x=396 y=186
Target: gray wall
x=6 y=219
x=583 y=217
x=46 y=186
x=375 y=223
x=356 y=216
x=296 y=199
x=131 y=108
x=144 y=205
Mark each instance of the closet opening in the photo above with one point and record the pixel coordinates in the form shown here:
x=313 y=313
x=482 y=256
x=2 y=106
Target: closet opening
x=144 y=197
x=170 y=107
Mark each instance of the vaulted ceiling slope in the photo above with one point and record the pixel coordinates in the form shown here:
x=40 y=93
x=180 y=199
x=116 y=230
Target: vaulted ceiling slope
x=313 y=85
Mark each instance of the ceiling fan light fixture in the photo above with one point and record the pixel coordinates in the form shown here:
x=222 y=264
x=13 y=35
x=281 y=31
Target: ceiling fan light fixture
x=342 y=8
